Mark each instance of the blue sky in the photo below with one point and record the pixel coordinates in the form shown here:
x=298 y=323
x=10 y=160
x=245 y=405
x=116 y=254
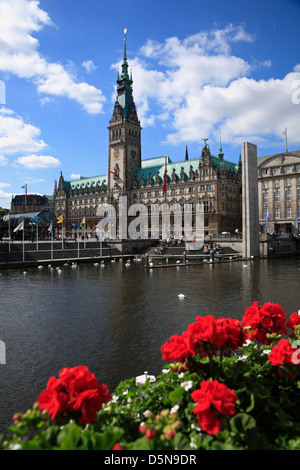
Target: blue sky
x=200 y=69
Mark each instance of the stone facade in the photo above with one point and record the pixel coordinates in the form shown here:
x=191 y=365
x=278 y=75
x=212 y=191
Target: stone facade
x=32 y=203
x=279 y=192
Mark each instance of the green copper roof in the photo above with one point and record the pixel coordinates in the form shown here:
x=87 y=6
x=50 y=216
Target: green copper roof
x=89 y=182
x=158 y=161
x=155 y=165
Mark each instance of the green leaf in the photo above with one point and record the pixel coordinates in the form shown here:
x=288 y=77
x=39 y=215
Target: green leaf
x=69 y=436
x=143 y=444
x=252 y=403
x=176 y=396
x=102 y=441
x=181 y=442
x=242 y=422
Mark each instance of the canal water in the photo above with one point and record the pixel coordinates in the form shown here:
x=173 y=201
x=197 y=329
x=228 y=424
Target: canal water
x=114 y=319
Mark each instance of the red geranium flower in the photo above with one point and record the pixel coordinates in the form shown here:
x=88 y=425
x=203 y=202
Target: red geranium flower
x=269 y=318
x=294 y=320
x=76 y=391
x=282 y=353
x=214 y=399
x=176 y=349
x=203 y=336
x=231 y=332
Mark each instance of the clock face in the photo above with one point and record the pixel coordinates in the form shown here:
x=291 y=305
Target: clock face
x=117 y=153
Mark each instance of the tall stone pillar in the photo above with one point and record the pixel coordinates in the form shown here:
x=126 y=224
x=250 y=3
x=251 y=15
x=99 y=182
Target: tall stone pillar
x=250 y=201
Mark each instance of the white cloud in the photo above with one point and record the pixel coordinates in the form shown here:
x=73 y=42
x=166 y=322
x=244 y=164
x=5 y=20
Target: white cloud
x=38 y=161
x=19 y=55
x=5 y=198
x=200 y=88
x=75 y=176
x=4 y=185
x=89 y=66
x=17 y=136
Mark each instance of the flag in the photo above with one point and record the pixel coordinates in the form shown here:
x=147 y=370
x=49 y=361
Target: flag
x=50 y=227
x=6 y=218
x=83 y=221
x=19 y=227
x=98 y=226
x=74 y=226
x=165 y=182
x=296 y=219
x=34 y=220
x=285 y=132
x=60 y=219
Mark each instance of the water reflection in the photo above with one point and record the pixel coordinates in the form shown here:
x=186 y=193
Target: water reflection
x=115 y=319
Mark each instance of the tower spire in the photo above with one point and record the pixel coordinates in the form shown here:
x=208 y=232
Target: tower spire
x=220 y=154
x=124 y=82
x=125 y=64
x=125 y=41
x=186 y=153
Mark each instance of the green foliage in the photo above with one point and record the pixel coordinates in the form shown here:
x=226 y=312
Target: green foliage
x=160 y=416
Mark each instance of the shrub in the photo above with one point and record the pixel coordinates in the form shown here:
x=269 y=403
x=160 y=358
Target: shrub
x=230 y=385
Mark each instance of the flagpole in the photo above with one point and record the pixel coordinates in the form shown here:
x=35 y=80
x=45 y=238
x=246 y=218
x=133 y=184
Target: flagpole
x=84 y=234
x=78 y=244
x=9 y=236
x=23 y=240
x=62 y=233
x=37 y=234
x=164 y=229
x=78 y=239
x=51 y=243
x=286 y=145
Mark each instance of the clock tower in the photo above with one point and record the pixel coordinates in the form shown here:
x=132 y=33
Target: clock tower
x=124 y=135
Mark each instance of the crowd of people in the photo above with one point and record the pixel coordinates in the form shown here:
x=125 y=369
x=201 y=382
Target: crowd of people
x=210 y=247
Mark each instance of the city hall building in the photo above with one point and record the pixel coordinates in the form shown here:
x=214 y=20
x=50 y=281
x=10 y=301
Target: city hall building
x=208 y=179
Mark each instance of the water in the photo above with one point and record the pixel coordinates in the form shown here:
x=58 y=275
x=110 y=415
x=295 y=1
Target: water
x=115 y=319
